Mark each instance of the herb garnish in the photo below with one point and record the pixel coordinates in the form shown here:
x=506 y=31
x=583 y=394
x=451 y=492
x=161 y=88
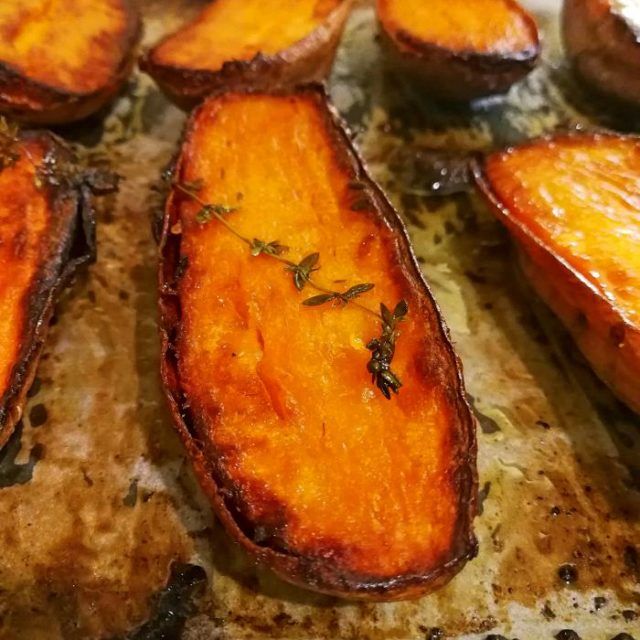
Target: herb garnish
x=382 y=348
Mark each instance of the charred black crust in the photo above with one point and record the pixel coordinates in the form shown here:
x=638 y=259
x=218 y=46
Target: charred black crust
x=315 y=572
x=73 y=247
x=41 y=103
x=186 y=86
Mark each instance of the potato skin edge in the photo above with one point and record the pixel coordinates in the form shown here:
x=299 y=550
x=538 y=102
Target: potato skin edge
x=313 y=573
x=308 y=60
x=593 y=323
x=35 y=103
x=457 y=76
x=605 y=54
x=79 y=248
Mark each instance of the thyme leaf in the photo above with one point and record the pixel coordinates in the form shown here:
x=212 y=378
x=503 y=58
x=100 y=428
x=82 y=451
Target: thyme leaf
x=383 y=349
x=207 y=212
x=315 y=301
x=303 y=270
x=350 y=294
x=273 y=248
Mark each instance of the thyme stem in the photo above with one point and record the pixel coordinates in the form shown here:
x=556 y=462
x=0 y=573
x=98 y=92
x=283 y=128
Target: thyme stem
x=382 y=348
x=312 y=283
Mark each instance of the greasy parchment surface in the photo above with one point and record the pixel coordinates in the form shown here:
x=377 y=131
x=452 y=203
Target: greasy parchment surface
x=105 y=533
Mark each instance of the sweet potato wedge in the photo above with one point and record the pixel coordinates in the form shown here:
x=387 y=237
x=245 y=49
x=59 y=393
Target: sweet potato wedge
x=307 y=464
x=62 y=60
x=46 y=233
x=601 y=38
x=460 y=50
x=571 y=204
x=239 y=43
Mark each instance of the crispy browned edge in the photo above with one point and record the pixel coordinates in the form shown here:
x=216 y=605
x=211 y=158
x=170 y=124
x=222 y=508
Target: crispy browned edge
x=33 y=102
x=76 y=246
x=605 y=54
x=459 y=76
x=315 y=573
x=309 y=59
x=595 y=325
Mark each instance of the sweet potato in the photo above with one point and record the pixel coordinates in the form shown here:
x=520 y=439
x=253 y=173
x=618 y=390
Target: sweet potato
x=460 y=50
x=46 y=232
x=307 y=464
x=601 y=41
x=237 y=43
x=571 y=204
x=62 y=60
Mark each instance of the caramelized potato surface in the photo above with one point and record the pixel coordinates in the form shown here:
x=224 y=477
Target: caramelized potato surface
x=265 y=44
x=573 y=205
x=334 y=486
x=460 y=50
x=62 y=59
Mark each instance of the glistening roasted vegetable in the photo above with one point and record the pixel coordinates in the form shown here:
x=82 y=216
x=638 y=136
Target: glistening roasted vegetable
x=277 y=249
x=460 y=50
x=46 y=232
x=264 y=44
x=61 y=60
x=572 y=204
x=602 y=41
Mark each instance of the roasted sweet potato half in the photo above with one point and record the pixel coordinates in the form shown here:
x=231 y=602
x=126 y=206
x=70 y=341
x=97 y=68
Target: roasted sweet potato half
x=46 y=232
x=460 y=50
x=572 y=205
x=62 y=60
x=601 y=38
x=264 y=44
x=307 y=463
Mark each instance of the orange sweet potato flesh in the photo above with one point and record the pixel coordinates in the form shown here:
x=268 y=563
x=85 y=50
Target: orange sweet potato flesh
x=61 y=60
x=460 y=50
x=602 y=42
x=308 y=466
x=264 y=44
x=46 y=232
x=572 y=205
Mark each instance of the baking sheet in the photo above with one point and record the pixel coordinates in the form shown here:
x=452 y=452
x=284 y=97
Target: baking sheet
x=105 y=533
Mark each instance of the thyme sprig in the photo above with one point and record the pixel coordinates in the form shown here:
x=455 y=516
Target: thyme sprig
x=382 y=348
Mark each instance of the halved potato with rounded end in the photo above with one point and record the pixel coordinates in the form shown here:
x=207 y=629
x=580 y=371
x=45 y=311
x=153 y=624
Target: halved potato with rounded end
x=572 y=204
x=61 y=60
x=265 y=44
x=460 y=50
x=308 y=465
x=46 y=232
x=601 y=40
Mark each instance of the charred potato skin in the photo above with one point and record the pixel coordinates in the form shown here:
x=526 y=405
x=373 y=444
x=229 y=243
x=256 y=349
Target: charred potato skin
x=307 y=60
x=35 y=103
x=457 y=76
x=602 y=49
x=307 y=572
x=609 y=343
x=76 y=245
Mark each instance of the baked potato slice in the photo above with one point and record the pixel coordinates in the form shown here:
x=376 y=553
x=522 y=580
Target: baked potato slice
x=46 y=232
x=307 y=464
x=62 y=60
x=265 y=44
x=460 y=50
x=572 y=205
x=601 y=38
